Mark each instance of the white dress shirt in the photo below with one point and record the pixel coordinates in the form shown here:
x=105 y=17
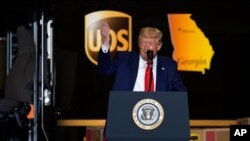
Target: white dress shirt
x=139 y=83
x=105 y=48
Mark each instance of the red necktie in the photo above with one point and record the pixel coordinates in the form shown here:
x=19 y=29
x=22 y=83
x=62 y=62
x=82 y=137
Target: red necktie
x=148 y=87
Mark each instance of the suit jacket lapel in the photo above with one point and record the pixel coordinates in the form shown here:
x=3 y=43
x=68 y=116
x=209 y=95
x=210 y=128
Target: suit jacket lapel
x=134 y=69
x=160 y=70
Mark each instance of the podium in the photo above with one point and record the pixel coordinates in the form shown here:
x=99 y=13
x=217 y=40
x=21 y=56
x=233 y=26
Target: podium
x=140 y=116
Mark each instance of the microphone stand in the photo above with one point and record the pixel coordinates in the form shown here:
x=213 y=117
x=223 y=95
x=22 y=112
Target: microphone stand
x=151 y=74
x=150 y=57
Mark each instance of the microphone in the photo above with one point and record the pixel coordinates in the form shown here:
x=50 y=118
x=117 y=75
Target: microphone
x=150 y=55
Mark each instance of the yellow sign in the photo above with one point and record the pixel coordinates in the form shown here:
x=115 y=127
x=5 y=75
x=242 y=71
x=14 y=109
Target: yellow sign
x=192 y=49
x=120 y=32
x=194 y=137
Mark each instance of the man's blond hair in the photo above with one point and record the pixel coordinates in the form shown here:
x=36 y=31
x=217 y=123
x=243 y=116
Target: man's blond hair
x=151 y=32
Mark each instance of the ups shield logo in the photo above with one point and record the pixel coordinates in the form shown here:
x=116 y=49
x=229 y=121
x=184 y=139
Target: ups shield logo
x=120 y=32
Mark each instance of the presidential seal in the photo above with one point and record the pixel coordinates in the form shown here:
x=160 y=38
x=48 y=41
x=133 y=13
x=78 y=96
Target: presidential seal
x=148 y=114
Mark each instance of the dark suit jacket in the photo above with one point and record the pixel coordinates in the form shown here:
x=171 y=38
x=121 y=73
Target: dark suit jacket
x=125 y=67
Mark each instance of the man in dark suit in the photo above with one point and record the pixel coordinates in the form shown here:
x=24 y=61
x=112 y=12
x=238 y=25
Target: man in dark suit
x=129 y=67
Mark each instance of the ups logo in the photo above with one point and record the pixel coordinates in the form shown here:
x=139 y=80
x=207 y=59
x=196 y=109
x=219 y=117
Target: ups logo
x=120 y=32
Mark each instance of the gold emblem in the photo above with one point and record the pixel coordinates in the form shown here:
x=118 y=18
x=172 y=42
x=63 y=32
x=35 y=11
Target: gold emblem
x=120 y=32
x=148 y=114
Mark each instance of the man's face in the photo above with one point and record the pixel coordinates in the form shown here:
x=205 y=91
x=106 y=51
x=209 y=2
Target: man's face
x=149 y=44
